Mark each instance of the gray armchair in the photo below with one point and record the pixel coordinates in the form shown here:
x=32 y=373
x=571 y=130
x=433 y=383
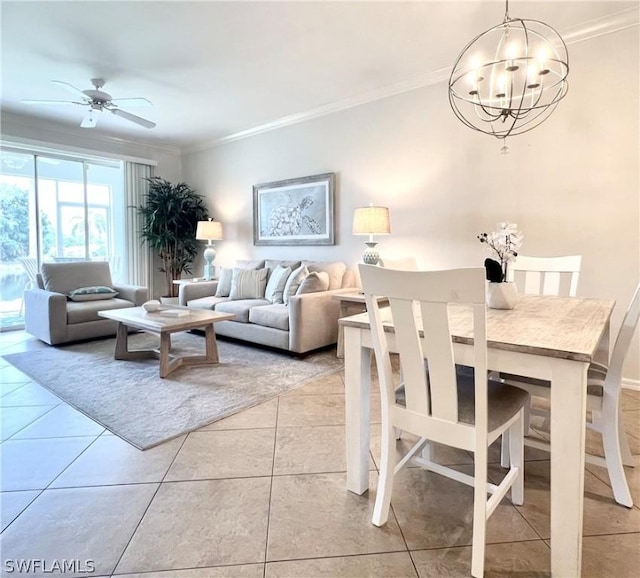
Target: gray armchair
x=52 y=317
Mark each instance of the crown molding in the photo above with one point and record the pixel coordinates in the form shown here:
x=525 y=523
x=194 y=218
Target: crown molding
x=588 y=30
x=609 y=24
x=40 y=124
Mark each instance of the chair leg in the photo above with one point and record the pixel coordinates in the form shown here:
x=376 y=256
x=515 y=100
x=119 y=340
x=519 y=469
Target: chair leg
x=505 y=460
x=385 y=479
x=516 y=452
x=627 y=457
x=426 y=452
x=613 y=457
x=505 y=443
x=479 y=513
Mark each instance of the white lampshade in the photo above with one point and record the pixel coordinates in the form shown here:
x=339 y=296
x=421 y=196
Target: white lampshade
x=209 y=231
x=371 y=221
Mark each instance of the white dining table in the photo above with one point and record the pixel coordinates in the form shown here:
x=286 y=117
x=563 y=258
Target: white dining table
x=550 y=338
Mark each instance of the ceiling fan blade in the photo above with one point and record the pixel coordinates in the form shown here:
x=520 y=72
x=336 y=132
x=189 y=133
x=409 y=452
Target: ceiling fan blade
x=30 y=101
x=72 y=89
x=132 y=117
x=131 y=102
x=90 y=120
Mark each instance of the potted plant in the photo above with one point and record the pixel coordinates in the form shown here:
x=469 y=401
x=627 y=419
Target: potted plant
x=502 y=244
x=170 y=216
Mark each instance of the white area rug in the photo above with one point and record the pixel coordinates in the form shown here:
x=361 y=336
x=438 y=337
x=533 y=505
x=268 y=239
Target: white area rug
x=131 y=400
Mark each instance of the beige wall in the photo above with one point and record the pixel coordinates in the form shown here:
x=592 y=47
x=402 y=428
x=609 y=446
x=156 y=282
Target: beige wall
x=572 y=184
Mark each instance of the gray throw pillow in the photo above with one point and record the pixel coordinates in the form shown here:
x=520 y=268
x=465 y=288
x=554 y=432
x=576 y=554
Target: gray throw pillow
x=95 y=293
x=248 y=284
x=224 y=282
x=314 y=283
x=293 y=282
x=275 y=286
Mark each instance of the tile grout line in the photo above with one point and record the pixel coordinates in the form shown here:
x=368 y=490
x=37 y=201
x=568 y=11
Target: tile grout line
x=160 y=483
x=273 y=465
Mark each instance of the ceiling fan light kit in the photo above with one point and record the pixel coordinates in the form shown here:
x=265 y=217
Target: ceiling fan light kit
x=510 y=78
x=98 y=101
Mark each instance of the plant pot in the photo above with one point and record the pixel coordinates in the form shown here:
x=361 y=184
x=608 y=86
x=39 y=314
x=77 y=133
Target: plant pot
x=502 y=295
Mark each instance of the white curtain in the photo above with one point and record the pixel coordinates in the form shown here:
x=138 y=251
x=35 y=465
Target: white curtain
x=139 y=257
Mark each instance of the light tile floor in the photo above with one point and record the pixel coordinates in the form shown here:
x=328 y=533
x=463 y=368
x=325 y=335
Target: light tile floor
x=262 y=494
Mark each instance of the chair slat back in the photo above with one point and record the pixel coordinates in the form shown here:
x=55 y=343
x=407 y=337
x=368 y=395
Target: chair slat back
x=547 y=275
x=623 y=342
x=419 y=301
x=31 y=268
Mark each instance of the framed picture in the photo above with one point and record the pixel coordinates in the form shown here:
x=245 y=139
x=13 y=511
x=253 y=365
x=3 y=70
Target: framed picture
x=294 y=212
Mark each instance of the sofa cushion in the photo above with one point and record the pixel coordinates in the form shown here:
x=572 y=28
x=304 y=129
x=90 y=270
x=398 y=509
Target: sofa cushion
x=335 y=269
x=249 y=264
x=240 y=308
x=98 y=293
x=271 y=265
x=276 y=316
x=248 y=284
x=224 y=282
x=206 y=302
x=85 y=311
x=314 y=283
x=65 y=277
x=275 y=285
x=293 y=282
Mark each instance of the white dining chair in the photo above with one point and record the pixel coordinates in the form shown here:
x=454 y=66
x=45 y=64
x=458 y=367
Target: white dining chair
x=604 y=402
x=30 y=266
x=465 y=411
x=540 y=276
x=546 y=275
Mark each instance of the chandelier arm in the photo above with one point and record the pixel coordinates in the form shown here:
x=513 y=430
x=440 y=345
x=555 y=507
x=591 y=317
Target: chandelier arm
x=491 y=115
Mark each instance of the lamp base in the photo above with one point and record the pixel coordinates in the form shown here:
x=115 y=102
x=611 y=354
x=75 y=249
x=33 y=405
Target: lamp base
x=209 y=256
x=371 y=255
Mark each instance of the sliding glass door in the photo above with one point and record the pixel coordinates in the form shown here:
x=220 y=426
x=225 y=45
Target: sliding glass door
x=56 y=208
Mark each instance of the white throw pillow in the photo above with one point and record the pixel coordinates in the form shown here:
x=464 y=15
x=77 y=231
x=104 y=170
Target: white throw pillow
x=248 y=284
x=224 y=282
x=314 y=282
x=275 y=286
x=293 y=282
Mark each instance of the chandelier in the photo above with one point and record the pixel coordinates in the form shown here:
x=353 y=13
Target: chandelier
x=509 y=79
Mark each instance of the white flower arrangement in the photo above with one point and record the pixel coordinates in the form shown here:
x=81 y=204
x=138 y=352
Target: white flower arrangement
x=503 y=246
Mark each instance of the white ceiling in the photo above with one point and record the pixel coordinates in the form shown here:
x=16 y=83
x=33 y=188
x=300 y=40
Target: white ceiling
x=215 y=69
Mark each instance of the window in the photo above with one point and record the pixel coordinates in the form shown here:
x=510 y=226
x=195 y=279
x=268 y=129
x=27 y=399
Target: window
x=56 y=208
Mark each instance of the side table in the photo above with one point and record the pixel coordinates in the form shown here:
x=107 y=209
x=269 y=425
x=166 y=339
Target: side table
x=193 y=280
x=351 y=303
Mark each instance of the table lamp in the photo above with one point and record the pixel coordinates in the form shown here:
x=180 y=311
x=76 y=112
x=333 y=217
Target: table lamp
x=209 y=231
x=371 y=221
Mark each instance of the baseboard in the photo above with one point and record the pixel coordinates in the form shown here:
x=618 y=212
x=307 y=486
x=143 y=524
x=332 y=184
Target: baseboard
x=631 y=383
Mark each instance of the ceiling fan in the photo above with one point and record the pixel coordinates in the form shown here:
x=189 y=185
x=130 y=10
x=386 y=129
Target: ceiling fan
x=99 y=101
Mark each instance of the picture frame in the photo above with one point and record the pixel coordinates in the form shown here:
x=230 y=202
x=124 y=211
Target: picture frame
x=296 y=211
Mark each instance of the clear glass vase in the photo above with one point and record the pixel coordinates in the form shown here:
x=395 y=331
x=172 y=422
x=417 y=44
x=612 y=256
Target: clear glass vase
x=502 y=295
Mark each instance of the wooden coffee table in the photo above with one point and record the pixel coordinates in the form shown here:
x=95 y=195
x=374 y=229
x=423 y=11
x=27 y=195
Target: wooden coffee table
x=158 y=324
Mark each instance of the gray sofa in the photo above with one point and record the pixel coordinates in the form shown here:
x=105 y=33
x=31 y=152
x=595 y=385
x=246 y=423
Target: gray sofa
x=59 y=310
x=307 y=321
